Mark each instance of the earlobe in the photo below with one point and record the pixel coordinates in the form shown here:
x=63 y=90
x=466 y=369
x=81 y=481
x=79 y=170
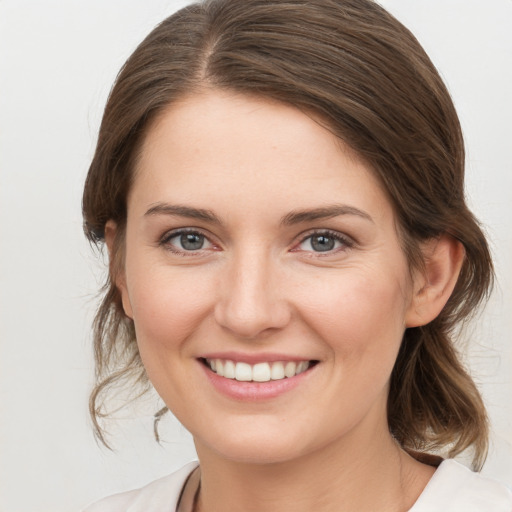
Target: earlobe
x=115 y=245
x=434 y=284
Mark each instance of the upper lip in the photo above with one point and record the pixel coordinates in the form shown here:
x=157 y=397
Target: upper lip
x=252 y=359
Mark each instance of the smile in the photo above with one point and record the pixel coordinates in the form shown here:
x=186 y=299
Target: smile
x=259 y=372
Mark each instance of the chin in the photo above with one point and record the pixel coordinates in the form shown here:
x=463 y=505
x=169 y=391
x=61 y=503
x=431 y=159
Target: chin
x=258 y=445
x=260 y=454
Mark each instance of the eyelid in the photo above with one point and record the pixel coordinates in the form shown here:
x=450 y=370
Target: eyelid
x=164 y=240
x=346 y=240
x=181 y=231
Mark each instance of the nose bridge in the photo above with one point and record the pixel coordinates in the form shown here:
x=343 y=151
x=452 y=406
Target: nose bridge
x=251 y=299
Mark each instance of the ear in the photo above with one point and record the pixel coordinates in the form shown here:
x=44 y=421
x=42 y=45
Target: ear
x=434 y=284
x=115 y=243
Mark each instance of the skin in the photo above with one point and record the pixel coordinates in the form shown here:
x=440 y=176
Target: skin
x=258 y=286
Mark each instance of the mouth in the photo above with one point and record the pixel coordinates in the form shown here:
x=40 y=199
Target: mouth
x=259 y=372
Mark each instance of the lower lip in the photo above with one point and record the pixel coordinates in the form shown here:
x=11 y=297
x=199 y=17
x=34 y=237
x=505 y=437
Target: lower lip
x=254 y=391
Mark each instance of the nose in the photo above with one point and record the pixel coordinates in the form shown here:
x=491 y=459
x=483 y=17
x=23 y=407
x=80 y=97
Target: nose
x=251 y=297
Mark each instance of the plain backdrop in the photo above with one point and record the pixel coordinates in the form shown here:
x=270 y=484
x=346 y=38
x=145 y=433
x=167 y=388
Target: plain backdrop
x=58 y=59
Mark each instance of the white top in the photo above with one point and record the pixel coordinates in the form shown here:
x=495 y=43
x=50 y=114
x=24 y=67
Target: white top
x=453 y=488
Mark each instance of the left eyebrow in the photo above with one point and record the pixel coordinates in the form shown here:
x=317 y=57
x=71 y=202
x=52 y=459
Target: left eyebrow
x=326 y=212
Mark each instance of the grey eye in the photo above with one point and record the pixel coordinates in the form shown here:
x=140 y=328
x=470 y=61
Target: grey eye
x=183 y=242
x=322 y=243
x=191 y=241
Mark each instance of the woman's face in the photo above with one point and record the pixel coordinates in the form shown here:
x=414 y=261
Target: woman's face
x=257 y=244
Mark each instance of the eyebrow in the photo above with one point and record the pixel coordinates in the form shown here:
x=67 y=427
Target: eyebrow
x=326 y=212
x=294 y=217
x=183 y=211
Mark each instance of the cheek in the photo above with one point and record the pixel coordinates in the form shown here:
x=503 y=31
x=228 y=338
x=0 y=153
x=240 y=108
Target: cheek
x=360 y=320
x=360 y=314
x=167 y=305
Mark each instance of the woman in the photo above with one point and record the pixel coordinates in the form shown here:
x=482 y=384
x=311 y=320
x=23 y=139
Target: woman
x=280 y=185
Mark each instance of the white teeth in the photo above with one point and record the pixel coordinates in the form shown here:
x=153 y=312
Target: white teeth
x=302 y=367
x=229 y=370
x=243 y=372
x=260 y=372
x=277 y=372
x=290 y=369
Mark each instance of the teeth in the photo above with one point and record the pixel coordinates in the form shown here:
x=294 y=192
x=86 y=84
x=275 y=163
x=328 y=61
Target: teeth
x=277 y=371
x=260 y=372
x=229 y=370
x=219 y=367
x=302 y=367
x=243 y=372
x=290 y=368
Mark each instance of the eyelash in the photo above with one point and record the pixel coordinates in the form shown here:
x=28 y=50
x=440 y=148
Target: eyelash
x=336 y=236
x=344 y=240
x=165 y=241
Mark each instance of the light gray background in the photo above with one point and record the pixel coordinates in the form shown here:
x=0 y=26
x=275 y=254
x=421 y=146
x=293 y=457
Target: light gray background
x=58 y=59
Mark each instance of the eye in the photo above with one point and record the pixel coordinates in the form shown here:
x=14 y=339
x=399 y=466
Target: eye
x=325 y=242
x=186 y=241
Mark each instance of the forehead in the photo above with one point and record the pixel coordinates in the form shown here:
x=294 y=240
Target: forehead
x=215 y=146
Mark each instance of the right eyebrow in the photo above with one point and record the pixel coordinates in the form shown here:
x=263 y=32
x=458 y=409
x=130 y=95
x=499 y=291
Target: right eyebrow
x=178 y=210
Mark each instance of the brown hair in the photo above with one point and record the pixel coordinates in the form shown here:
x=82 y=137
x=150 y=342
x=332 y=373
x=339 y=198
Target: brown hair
x=352 y=64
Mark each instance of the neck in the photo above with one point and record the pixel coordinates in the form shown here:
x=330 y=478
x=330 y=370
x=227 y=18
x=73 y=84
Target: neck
x=358 y=472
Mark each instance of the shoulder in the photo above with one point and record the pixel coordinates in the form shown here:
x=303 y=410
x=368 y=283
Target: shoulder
x=164 y=492
x=454 y=488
